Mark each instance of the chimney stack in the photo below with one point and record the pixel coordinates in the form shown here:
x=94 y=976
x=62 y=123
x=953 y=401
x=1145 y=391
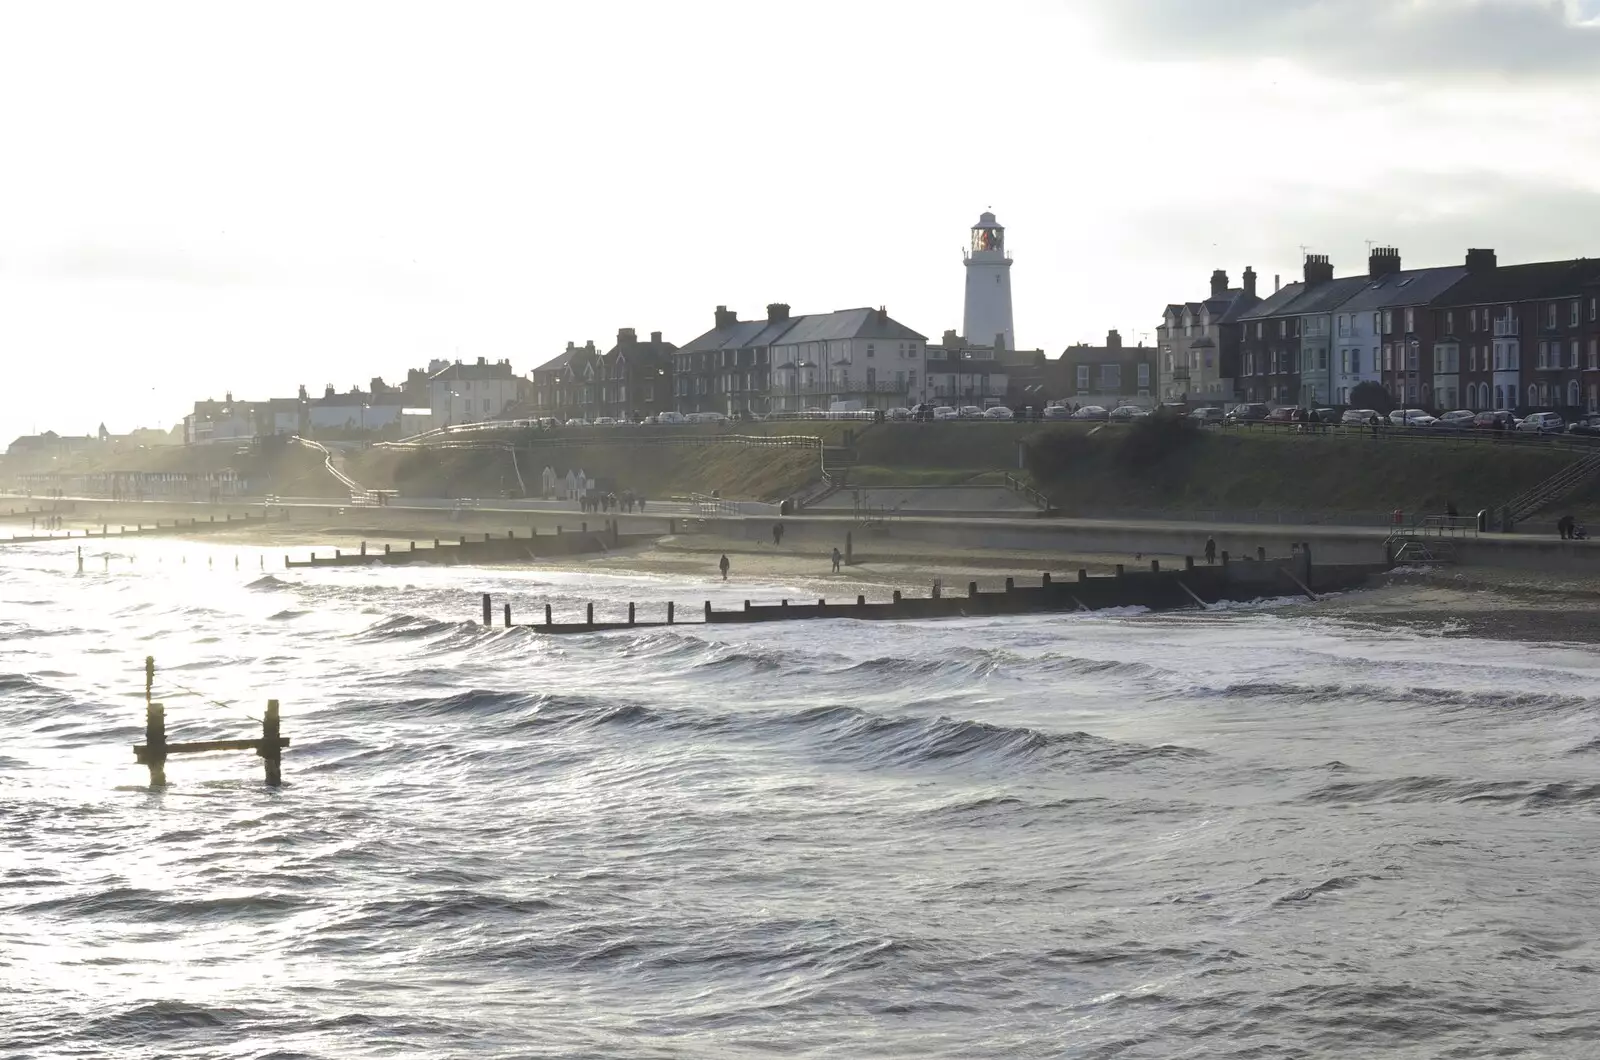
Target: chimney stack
x=1277 y=283
x=1114 y=338
x=1219 y=283
x=1481 y=261
x=1319 y=269
x=327 y=393
x=655 y=338
x=1249 y=281
x=1383 y=261
x=627 y=336
x=951 y=339
x=777 y=311
x=483 y=360
x=725 y=318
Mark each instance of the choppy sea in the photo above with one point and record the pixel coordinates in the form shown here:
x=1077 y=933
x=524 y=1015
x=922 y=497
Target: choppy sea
x=1248 y=833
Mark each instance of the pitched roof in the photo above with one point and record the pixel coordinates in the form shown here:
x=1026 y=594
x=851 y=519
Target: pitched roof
x=847 y=324
x=1521 y=283
x=1275 y=303
x=1411 y=287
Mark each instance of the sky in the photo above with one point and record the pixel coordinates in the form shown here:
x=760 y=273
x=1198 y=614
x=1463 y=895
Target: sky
x=213 y=197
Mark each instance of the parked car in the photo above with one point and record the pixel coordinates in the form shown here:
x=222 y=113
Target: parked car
x=999 y=412
x=1286 y=414
x=945 y=412
x=605 y=421
x=1485 y=421
x=1057 y=412
x=1249 y=412
x=1358 y=417
x=898 y=414
x=1207 y=415
x=1126 y=414
x=1459 y=420
x=970 y=412
x=1092 y=412
x=1589 y=425
x=1411 y=418
x=1542 y=423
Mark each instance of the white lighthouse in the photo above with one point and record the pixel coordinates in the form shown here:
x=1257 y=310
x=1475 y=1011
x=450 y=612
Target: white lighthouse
x=988 y=309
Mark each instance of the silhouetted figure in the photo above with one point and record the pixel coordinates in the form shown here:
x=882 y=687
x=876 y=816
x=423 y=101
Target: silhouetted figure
x=1211 y=550
x=777 y=534
x=723 y=565
x=836 y=559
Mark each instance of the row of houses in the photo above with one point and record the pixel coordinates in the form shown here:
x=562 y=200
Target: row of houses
x=858 y=358
x=441 y=394
x=1479 y=335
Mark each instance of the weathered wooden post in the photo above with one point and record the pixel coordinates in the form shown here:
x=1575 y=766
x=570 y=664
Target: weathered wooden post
x=488 y=611
x=669 y=612
x=385 y=549
x=549 y=619
x=508 y=616
x=1261 y=554
x=155 y=729
x=271 y=751
x=363 y=548
x=1120 y=571
x=1188 y=563
x=630 y=612
x=1011 y=585
x=589 y=615
x=937 y=588
x=747 y=605
x=861 y=601
x=1155 y=566
x=1224 y=559
x=1045 y=581
x=897 y=598
x=972 y=590
x=708 y=610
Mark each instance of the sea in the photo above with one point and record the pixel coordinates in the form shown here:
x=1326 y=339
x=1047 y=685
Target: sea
x=1252 y=832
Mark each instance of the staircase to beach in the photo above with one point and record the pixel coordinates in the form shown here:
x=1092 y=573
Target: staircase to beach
x=1556 y=488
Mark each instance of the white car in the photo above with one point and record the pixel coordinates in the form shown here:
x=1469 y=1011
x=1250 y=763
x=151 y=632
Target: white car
x=971 y=412
x=945 y=412
x=898 y=414
x=666 y=419
x=1410 y=418
x=1057 y=412
x=1543 y=423
x=577 y=421
x=1355 y=417
x=605 y=421
x=999 y=412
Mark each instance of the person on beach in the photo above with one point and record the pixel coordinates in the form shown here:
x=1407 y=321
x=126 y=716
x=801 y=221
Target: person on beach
x=1211 y=550
x=836 y=559
x=723 y=565
x=777 y=534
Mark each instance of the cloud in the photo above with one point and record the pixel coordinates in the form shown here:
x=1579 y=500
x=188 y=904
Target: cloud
x=1386 y=40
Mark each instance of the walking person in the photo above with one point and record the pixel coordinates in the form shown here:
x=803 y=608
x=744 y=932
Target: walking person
x=723 y=565
x=836 y=559
x=777 y=534
x=1211 y=550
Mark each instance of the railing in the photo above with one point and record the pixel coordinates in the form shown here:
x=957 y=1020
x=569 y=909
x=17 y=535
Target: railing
x=1448 y=525
x=1016 y=485
x=1505 y=327
x=1552 y=489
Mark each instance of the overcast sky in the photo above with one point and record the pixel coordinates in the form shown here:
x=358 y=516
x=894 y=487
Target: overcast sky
x=198 y=198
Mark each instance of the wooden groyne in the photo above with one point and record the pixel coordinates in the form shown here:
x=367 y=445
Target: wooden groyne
x=1155 y=588
x=177 y=526
x=491 y=548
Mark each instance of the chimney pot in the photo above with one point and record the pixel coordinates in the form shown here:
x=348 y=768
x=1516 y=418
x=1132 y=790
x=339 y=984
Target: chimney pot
x=1113 y=339
x=1219 y=283
x=1383 y=261
x=1250 y=281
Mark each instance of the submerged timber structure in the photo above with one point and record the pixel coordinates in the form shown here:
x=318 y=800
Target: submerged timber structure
x=1189 y=586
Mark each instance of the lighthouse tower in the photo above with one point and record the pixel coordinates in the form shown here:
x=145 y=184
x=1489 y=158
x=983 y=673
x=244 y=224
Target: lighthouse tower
x=988 y=309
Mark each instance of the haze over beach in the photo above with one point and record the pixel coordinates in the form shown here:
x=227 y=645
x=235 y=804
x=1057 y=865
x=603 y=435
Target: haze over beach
x=201 y=198
x=714 y=531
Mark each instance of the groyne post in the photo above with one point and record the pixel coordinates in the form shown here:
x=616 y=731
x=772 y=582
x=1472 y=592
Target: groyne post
x=861 y=601
x=1120 y=571
x=1045 y=580
x=1155 y=566
x=508 y=616
x=1261 y=554
x=669 y=612
x=271 y=752
x=155 y=743
x=630 y=612
x=1224 y=559
x=1188 y=563
x=897 y=598
x=548 y=619
x=1011 y=585
x=488 y=611
x=588 y=615
x=363 y=548
x=972 y=590
x=708 y=610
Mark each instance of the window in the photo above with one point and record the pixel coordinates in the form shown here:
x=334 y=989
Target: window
x=1411 y=359
x=1449 y=323
x=1544 y=354
x=1594 y=353
x=1594 y=398
x=1110 y=378
x=1144 y=375
x=1375 y=324
x=1572 y=355
x=1322 y=359
x=1083 y=377
x=1550 y=315
x=1472 y=320
x=1258 y=329
x=1572 y=387
x=1594 y=307
x=1283 y=329
x=1411 y=318
x=1388 y=321
x=1572 y=320
x=869 y=349
x=1533 y=396
x=911 y=380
